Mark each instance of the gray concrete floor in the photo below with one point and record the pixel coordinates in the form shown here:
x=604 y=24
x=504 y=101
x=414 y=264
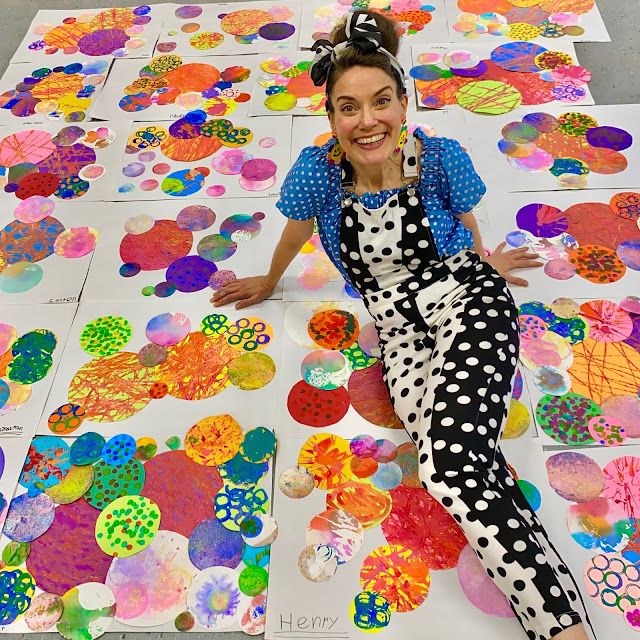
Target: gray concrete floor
x=616 y=80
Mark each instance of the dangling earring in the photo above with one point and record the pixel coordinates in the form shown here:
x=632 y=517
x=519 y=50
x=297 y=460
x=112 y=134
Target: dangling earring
x=402 y=140
x=336 y=154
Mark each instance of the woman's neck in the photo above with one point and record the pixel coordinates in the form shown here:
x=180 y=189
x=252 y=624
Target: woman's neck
x=368 y=179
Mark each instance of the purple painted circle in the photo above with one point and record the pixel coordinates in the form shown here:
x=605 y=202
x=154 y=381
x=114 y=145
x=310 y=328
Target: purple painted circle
x=67 y=554
x=518 y=385
x=517 y=56
x=629 y=254
x=164 y=290
x=1 y=462
x=363 y=446
x=221 y=278
x=188 y=11
x=195 y=217
x=190 y=273
x=609 y=138
x=166 y=47
x=276 y=31
x=133 y=169
x=213 y=545
x=478 y=70
x=258 y=169
x=542 y=220
x=28 y=518
x=102 y=42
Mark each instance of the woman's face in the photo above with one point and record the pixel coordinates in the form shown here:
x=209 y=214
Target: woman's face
x=367 y=115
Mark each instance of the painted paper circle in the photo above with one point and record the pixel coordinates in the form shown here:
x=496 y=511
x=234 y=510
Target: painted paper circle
x=29 y=518
x=214 y=598
x=118 y=535
x=88 y=611
x=575 y=476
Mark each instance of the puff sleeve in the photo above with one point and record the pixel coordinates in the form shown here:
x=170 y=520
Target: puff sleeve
x=305 y=188
x=465 y=188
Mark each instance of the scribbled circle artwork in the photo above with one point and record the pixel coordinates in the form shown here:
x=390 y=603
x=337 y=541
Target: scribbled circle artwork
x=570 y=147
x=411 y=16
x=522 y=19
x=203 y=29
x=109 y=32
x=62 y=92
x=512 y=75
x=168 y=80
x=604 y=254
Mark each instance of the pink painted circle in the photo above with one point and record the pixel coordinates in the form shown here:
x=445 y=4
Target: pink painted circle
x=480 y=590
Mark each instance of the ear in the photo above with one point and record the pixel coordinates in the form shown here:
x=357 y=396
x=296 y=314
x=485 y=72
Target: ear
x=331 y=122
x=405 y=104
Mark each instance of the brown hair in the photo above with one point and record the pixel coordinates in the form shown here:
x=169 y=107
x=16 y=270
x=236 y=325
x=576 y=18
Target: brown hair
x=353 y=57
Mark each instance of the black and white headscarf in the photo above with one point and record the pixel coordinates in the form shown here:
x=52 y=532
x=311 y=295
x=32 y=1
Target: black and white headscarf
x=362 y=32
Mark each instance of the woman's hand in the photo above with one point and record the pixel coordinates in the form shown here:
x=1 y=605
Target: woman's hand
x=247 y=291
x=506 y=261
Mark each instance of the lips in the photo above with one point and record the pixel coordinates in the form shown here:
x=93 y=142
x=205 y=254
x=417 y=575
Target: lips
x=371 y=140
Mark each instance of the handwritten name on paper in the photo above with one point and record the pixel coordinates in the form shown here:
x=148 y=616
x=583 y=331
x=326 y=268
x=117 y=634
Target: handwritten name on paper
x=317 y=626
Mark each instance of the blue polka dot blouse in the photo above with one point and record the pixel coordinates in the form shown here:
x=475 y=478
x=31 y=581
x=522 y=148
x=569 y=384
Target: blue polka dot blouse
x=448 y=185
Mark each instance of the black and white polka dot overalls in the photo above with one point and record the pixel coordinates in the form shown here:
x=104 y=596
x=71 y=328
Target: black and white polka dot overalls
x=449 y=339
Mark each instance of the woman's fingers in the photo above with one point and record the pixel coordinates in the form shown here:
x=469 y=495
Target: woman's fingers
x=231 y=296
x=247 y=302
x=518 y=282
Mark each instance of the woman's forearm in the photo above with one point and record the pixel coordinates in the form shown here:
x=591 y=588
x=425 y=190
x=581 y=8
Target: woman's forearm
x=293 y=238
x=468 y=219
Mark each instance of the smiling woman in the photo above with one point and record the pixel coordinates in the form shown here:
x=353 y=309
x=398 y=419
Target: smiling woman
x=394 y=212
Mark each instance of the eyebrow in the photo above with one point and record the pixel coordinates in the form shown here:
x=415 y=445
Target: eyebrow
x=377 y=93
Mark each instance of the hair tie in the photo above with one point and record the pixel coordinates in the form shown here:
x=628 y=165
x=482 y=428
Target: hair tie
x=362 y=33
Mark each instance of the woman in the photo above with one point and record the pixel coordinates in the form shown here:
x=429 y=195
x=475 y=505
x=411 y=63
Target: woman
x=394 y=215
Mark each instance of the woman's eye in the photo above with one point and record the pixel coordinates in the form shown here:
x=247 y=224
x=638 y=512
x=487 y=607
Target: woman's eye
x=348 y=108
x=383 y=101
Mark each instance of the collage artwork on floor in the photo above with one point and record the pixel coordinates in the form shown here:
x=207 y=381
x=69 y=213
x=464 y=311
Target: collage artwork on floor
x=170 y=466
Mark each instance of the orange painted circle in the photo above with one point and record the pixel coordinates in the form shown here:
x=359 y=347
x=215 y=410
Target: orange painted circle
x=66 y=36
x=363 y=467
x=398 y=574
x=112 y=388
x=334 y=329
x=115 y=18
x=604 y=369
x=484 y=6
x=626 y=205
x=245 y=22
x=197 y=367
x=414 y=17
x=597 y=264
x=604 y=161
x=327 y=458
x=214 y=440
x=192 y=77
x=57 y=85
x=362 y=500
x=570 y=6
x=189 y=149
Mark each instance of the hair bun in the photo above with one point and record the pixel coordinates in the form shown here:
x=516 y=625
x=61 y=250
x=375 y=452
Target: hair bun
x=388 y=30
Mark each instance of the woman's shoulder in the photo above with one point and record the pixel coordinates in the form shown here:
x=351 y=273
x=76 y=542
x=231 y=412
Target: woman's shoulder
x=316 y=160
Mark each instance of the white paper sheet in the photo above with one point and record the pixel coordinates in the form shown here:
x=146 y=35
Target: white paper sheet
x=140 y=619
x=319 y=17
x=148 y=173
x=257 y=234
x=40 y=93
x=553 y=513
x=62 y=277
x=591 y=23
x=298 y=607
x=21 y=412
x=596 y=224
x=499 y=173
x=131 y=94
x=57 y=34
x=533 y=88
x=144 y=413
x=596 y=370
x=234 y=28
x=84 y=157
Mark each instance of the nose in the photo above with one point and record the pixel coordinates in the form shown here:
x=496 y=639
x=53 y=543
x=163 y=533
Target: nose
x=367 y=117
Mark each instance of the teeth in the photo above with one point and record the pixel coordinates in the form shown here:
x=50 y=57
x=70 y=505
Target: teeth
x=370 y=140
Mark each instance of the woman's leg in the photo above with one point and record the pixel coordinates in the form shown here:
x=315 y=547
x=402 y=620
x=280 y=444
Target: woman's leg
x=454 y=412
